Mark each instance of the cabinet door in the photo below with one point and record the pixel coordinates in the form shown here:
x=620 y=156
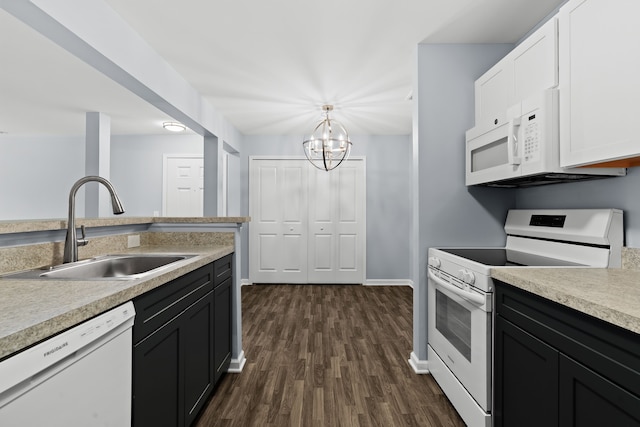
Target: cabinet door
x=526 y=379
x=588 y=399
x=222 y=328
x=535 y=62
x=494 y=95
x=157 y=400
x=173 y=368
x=196 y=332
x=599 y=88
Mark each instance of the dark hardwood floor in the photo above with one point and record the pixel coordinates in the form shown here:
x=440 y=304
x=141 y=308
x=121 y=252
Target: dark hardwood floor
x=327 y=355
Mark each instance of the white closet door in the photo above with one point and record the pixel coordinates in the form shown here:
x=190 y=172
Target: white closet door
x=337 y=226
x=184 y=186
x=278 y=228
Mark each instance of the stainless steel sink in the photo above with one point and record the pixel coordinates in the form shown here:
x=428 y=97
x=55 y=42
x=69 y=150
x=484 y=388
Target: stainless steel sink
x=111 y=267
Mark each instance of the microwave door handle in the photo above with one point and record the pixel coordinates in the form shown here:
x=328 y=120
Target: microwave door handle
x=468 y=295
x=512 y=141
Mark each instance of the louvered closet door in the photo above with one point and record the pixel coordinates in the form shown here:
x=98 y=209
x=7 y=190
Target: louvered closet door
x=337 y=224
x=278 y=227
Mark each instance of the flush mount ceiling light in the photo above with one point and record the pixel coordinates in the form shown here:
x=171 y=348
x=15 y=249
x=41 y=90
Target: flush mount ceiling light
x=329 y=143
x=174 y=126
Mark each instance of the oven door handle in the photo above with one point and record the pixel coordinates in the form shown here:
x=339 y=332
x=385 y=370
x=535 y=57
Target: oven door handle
x=468 y=295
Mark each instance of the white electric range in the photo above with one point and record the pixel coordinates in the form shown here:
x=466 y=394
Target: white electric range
x=460 y=293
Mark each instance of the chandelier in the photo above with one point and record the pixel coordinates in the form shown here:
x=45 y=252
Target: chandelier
x=329 y=143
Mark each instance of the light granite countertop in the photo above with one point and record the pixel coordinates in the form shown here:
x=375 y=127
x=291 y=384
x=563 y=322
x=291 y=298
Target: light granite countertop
x=609 y=294
x=32 y=310
x=24 y=226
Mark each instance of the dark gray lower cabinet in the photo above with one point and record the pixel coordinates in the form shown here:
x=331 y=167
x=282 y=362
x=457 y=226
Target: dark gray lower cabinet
x=526 y=364
x=178 y=340
x=555 y=366
x=222 y=311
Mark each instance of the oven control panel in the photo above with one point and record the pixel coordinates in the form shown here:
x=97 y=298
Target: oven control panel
x=466 y=276
x=434 y=262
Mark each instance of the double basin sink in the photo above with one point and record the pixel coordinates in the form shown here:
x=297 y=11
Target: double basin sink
x=107 y=267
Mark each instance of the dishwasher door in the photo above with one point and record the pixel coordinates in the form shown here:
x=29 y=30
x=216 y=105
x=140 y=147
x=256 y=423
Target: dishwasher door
x=81 y=377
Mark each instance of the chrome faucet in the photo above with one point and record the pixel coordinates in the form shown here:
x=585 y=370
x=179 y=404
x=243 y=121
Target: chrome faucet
x=71 y=242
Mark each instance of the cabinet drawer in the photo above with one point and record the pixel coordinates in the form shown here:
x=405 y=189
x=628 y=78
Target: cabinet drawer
x=162 y=304
x=223 y=268
x=609 y=350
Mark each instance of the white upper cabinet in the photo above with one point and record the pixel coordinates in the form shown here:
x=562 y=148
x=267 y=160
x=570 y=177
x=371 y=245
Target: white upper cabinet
x=599 y=82
x=535 y=62
x=493 y=91
x=527 y=70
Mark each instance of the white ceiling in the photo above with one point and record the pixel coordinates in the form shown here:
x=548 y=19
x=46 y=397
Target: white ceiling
x=267 y=66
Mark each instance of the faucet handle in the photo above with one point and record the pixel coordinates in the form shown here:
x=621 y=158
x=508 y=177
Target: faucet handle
x=84 y=241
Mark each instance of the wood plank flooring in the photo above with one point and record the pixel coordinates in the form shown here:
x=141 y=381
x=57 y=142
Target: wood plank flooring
x=327 y=355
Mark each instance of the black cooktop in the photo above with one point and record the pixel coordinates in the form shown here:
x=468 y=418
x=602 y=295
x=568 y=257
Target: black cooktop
x=500 y=257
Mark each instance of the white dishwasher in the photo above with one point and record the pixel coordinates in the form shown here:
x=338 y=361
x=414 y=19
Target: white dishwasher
x=81 y=377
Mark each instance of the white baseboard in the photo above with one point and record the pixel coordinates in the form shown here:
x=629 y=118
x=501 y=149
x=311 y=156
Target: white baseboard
x=390 y=282
x=419 y=366
x=372 y=282
x=236 y=365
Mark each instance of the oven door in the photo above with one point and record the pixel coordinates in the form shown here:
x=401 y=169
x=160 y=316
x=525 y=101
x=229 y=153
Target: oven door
x=459 y=326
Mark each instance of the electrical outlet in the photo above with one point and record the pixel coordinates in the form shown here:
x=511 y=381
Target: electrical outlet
x=133 y=241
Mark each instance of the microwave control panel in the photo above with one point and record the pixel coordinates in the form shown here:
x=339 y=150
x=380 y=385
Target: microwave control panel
x=531 y=134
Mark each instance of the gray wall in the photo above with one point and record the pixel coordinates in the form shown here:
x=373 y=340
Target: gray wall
x=36 y=174
x=622 y=193
x=388 y=196
x=446 y=213
x=136 y=168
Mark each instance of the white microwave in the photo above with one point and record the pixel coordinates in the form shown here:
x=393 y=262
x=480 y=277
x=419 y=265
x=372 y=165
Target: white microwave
x=524 y=150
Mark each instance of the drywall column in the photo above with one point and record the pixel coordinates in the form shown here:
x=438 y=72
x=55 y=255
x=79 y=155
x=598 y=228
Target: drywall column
x=446 y=213
x=97 y=162
x=211 y=169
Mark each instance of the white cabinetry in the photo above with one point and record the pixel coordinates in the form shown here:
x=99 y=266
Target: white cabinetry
x=599 y=82
x=527 y=70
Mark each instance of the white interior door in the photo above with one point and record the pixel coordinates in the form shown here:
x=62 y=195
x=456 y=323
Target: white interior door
x=184 y=186
x=307 y=225
x=278 y=228
x=337 y=225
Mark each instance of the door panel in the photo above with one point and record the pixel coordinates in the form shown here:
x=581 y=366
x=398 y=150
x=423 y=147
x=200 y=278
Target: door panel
x=323 y=251
x=348 y=191
x=293 y=253
x=348 y=253
x=291 y=196
x=268 y=182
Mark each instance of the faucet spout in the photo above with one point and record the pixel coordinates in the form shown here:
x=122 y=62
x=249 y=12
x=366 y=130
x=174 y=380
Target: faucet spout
x=71 y=239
